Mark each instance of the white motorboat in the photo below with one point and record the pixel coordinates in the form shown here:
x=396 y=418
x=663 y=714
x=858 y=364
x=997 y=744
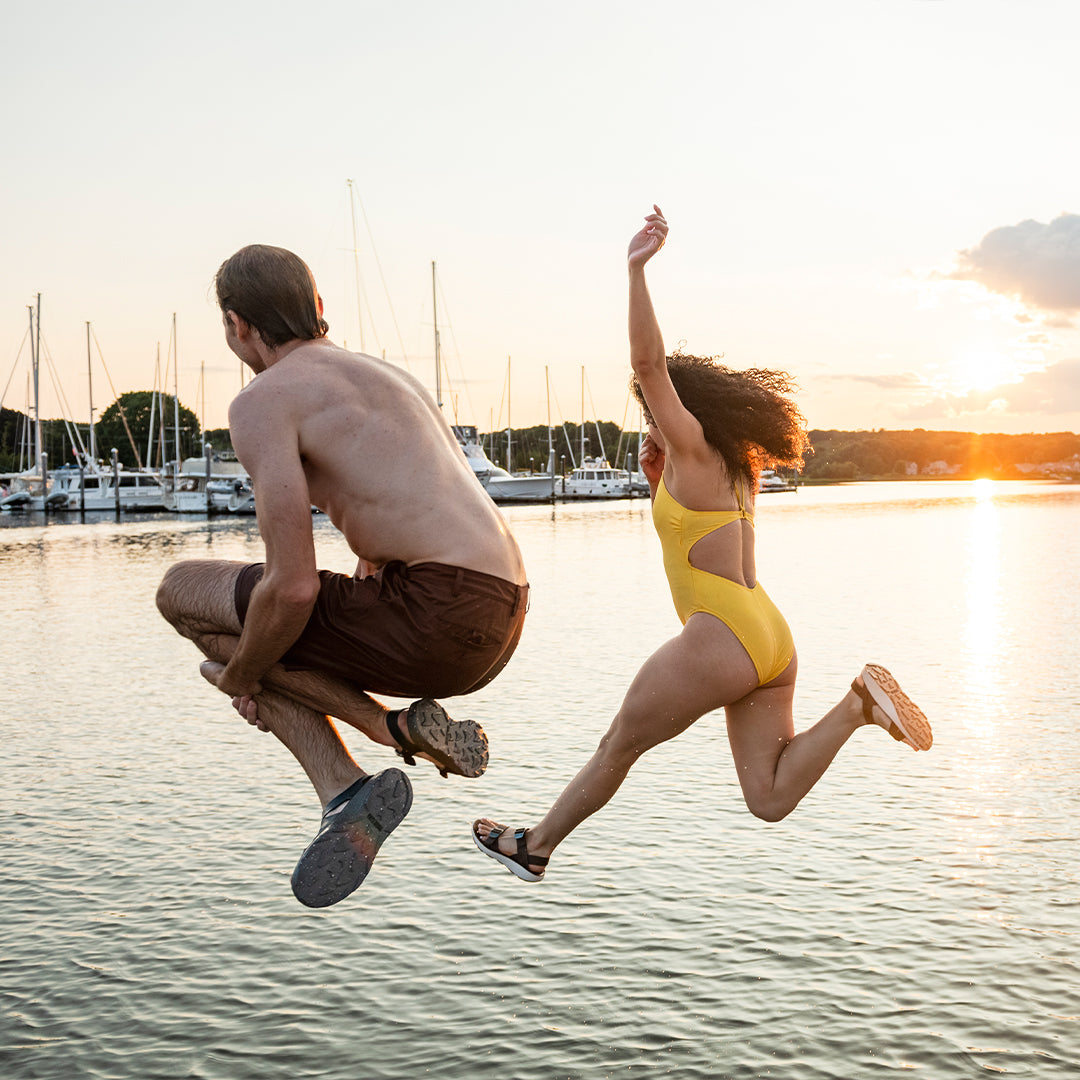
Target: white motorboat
x=769 y=481
x=100 y=488
x=203 y=485
x=594 y=478
x=27 y=492
x=502 y=486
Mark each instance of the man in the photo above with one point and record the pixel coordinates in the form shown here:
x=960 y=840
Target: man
x=434 y=609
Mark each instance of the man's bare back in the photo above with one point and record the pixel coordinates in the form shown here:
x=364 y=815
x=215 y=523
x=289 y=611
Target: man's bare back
x=379 y=459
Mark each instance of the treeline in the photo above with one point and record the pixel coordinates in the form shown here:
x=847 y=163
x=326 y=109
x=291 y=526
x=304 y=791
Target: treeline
x=529 y=446
x=125 y=425
x=869 y=455
x=837 y=455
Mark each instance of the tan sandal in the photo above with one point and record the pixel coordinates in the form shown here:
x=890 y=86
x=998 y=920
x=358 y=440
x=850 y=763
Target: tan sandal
x=906 y=722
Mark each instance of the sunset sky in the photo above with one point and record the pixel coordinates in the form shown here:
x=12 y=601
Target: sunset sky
x=879 y=197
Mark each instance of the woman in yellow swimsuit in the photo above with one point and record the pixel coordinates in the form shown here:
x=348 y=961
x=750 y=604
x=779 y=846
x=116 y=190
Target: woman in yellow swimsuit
x=711 y=430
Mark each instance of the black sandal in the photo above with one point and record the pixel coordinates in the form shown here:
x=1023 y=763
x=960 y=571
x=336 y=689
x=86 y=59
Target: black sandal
x=519 y=862
x=455 y=746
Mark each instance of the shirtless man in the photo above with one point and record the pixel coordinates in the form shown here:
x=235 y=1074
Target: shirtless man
x=434 y=609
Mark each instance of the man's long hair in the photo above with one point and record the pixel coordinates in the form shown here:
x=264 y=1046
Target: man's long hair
x=274 y=291
x=748 y=416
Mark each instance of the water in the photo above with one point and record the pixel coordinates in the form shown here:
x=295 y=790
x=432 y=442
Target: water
x=918 y=913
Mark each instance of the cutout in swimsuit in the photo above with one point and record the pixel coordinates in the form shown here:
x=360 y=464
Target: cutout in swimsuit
x=747 y=612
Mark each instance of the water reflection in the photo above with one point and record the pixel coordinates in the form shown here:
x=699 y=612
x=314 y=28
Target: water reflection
x=922 y=906
x=983 y=631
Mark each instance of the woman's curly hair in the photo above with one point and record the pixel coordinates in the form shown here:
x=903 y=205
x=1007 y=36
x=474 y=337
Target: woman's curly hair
x=748 y=416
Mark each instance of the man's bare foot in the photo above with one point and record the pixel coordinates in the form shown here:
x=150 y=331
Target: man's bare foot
x=452 y=746
x=509 y=848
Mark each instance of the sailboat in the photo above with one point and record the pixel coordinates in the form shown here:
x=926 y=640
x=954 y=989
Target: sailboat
x=31 y=488
x=501 y=485
x=91 y=485
x=594 y=478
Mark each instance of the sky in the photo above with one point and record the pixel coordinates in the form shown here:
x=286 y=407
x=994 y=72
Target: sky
x=878 y=197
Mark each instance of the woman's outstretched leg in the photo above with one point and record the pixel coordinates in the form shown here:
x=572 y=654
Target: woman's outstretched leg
x=776 y=767
x=700 y=670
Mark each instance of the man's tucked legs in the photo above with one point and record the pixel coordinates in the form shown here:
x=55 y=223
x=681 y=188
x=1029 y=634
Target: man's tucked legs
x=197 y=598
x=313 y=741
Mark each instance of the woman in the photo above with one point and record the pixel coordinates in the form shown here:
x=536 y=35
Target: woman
x=710 y=432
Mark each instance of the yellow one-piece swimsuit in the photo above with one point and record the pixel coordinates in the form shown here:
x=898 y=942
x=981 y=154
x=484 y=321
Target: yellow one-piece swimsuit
x=748 y=613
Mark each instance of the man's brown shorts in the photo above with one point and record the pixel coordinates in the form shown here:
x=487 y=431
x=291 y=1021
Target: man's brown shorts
x=428 y=630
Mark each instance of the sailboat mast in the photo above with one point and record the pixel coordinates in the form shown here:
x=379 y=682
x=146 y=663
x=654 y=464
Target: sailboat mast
x=356 y=264
x=435 y=319
x=90 y=392
x=509 y=454
x=176 y=391
x=153 y=411
x=163 y=446
x=35 y=354
x=24 y=444
x=582 y=414
x=551 y=444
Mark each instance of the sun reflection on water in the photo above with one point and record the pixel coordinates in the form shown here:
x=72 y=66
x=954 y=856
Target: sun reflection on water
x=983 y=631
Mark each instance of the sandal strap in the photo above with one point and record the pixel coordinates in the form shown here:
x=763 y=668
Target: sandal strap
x=405 y=749
x=868 y=704
x=491 y=841
x=523 y=857
x=345 y=795
x=867 y=701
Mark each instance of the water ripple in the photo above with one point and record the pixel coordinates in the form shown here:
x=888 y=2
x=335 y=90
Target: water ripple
x=917 y=914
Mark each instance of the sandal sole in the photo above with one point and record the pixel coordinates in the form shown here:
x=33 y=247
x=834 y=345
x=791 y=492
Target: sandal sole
x=459 y=746
x=899 y=708
x=336 y=862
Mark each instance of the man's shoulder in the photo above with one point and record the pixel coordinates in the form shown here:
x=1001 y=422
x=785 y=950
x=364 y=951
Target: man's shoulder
x=247 y=401
x=268 y=398
x=311 y=380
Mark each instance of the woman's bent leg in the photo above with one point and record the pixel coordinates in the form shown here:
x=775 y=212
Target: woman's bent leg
x=776 y=767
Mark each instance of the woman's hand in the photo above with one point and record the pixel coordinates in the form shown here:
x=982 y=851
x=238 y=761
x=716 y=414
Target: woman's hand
x=651 y=459
x=648 y=241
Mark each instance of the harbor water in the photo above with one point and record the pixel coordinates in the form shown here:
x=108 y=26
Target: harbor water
x=918 y=914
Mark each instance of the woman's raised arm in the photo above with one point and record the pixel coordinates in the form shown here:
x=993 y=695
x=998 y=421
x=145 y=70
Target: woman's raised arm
x=681 y=431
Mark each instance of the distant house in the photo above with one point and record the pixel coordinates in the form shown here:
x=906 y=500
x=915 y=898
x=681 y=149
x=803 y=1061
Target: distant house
x=1068 y=467
x=940 y=468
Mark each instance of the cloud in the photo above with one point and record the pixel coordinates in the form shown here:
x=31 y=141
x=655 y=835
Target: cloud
x=903 y=381
x=1035 y=339
x=1035 y=263
x=1052 y=391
